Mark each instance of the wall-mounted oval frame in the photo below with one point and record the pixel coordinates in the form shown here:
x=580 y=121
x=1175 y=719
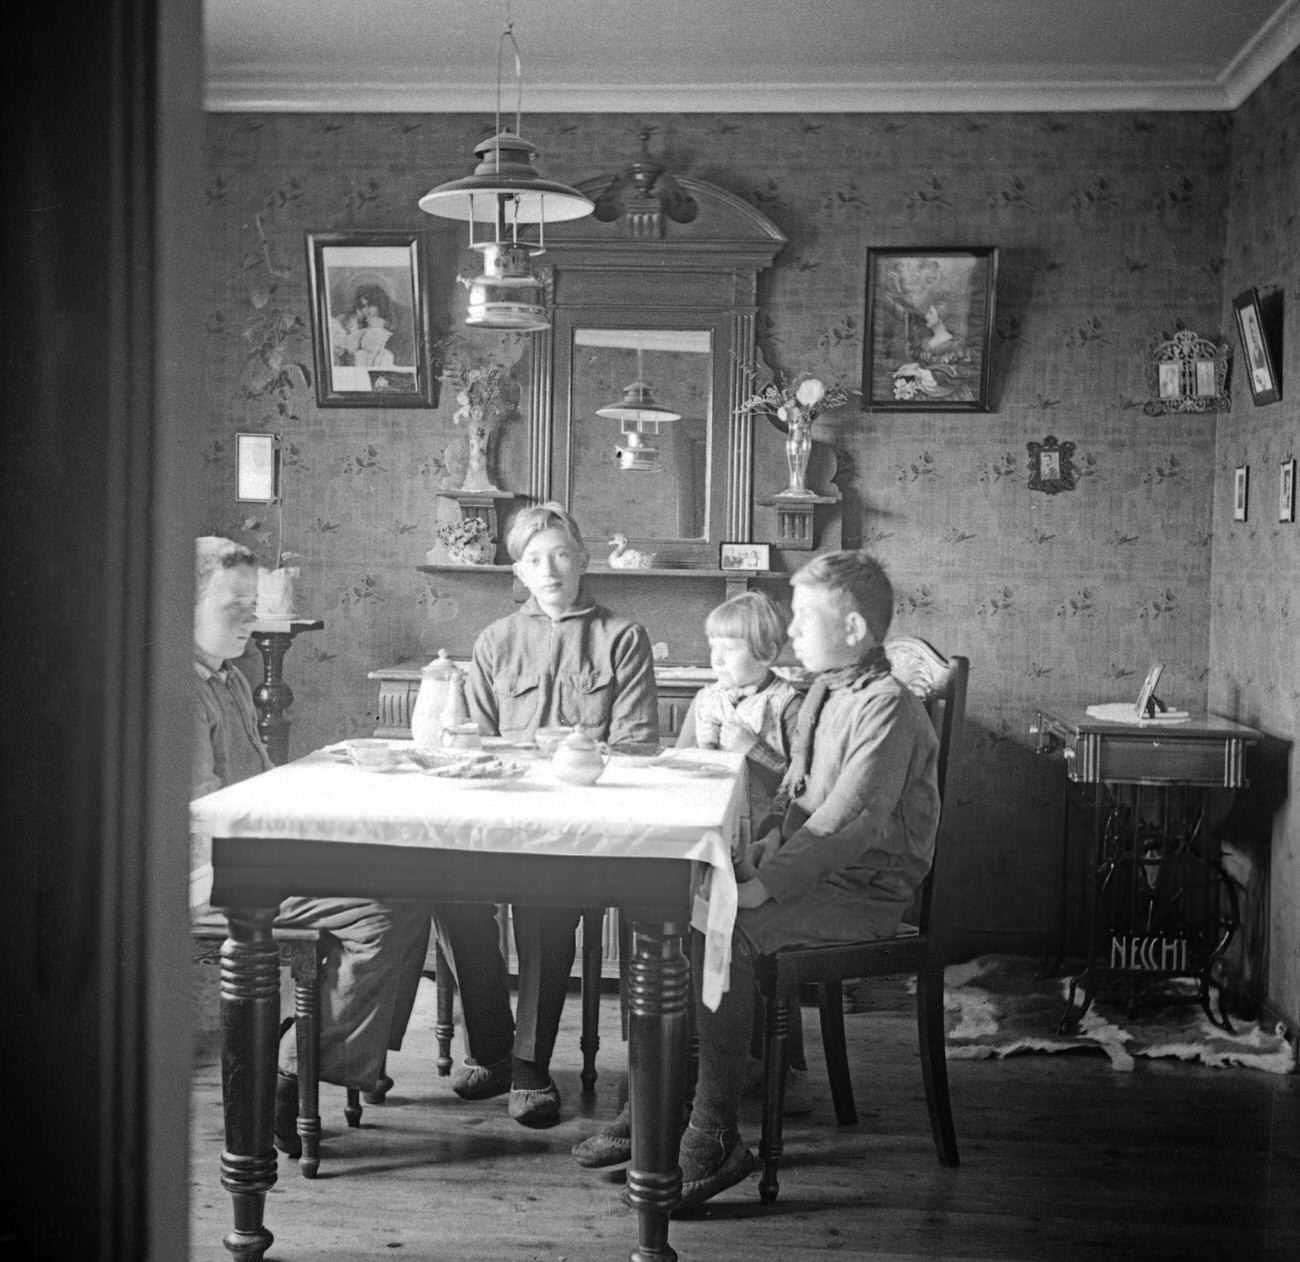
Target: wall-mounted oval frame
x=659 y=253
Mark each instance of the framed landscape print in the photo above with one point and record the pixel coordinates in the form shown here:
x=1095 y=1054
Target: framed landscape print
x=929 y=324
x=1260 y=371
x=369 y=308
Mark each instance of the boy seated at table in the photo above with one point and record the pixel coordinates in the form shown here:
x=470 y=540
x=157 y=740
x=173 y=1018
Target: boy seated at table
x=749 y=709
x=855 y=842
x=559 y=660
x=374 y=951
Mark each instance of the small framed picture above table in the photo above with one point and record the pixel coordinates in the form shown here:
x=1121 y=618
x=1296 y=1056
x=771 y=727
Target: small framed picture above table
x=745 y=556
x=1261 y=374
x=1240 y=492
x=257 y=468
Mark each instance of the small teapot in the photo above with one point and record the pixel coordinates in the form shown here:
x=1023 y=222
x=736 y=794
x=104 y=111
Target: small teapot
x=580 y=760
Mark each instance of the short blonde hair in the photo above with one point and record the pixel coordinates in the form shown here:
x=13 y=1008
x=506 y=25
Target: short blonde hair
x=751 y=617
x=859 y=580
x=528 y=522
x=213 y=553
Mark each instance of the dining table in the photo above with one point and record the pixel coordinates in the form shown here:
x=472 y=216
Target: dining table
x=653 y=836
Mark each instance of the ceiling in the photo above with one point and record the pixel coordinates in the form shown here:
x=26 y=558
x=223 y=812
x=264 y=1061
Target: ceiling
x=689 y=56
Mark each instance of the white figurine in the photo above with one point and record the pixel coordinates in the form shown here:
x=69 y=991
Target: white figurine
x=625 y=558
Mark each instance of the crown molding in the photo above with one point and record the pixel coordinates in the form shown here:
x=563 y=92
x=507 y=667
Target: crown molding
x=1272 y=44
x=259 y=88
x=268 y=96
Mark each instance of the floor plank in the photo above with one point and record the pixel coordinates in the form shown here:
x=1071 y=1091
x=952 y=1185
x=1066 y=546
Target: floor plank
x=1062 y=1158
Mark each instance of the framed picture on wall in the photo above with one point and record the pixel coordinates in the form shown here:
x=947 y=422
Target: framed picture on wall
x=929 y=326
x=369 y=320
x=257 y=468
x=745 y=556
x=1286 y=491
x=1240 y=492
x=1260 y=372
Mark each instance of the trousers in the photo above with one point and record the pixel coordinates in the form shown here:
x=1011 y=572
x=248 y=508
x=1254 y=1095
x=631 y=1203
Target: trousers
x=374 y=953
x=546 y=944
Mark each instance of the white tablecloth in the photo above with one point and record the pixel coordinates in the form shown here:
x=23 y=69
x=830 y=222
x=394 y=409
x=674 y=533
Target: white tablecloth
x=685 y=805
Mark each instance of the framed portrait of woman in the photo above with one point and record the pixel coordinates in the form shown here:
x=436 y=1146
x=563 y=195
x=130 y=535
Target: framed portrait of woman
x=1261 y=374
x=370 y=305
x=929 y=327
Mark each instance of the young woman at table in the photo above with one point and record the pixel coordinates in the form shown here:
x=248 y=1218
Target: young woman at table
x=854 y=843
x=375 y=950
x=561 y=660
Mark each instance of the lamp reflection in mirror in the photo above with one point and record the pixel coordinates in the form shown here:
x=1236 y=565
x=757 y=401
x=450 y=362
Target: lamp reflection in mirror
x=638 y=413
x=507 y=192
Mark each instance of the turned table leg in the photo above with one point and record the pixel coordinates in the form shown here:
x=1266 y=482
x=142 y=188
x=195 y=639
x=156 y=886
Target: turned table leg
x=250 y=1023
x=658 y=1006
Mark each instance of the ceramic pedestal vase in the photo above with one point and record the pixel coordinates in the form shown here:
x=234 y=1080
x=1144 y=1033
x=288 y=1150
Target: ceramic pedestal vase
x=798 y=445
x=481 y=426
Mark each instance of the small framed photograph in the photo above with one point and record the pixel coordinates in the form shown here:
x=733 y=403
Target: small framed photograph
x=1207 y=385
x=929 y=329
x=755 y=557
x=1260 y=372
x=257 y=468
x=1240 y=492
x=1051 y=466
x=1147 y=693
x=1171 y=379
x=1286 y=491
x=370 y=311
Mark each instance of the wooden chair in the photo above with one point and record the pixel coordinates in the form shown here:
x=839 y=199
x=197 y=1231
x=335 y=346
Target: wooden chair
x=941 y=684
x=301 y=952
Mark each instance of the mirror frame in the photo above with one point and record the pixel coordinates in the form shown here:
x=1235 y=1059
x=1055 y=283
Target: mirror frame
x=676 y=253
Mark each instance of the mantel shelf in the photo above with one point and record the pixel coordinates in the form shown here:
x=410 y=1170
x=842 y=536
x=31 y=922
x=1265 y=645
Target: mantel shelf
x=602 y=572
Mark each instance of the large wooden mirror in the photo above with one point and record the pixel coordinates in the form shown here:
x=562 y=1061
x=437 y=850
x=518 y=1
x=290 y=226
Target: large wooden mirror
x=632 y=407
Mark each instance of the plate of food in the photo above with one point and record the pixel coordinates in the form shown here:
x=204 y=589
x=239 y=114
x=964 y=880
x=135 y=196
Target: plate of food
x=473 y=767
x=639 y=755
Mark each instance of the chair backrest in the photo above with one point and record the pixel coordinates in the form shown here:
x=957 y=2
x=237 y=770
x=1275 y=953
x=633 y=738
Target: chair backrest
x=940 y=682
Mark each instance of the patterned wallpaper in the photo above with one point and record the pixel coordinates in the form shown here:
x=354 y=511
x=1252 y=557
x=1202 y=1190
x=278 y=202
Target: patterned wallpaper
x=1111 y=231
x=1255 y=583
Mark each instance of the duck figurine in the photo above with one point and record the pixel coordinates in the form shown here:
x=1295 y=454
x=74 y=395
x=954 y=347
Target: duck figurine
x=625 y=558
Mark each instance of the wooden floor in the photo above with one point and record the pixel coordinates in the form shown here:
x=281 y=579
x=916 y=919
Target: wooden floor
x=1062 y=1158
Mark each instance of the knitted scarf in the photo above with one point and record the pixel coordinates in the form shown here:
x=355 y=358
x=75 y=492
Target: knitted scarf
x=873 y=665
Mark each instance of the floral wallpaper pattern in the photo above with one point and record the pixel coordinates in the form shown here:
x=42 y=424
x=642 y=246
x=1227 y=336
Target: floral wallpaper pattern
x=1255 y=575
x=1110 y=229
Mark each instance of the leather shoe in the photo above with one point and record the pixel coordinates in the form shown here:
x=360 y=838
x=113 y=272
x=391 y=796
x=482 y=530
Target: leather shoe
x=285 y=1131
x=610 y=1146
x=535 y=1108
x=382 y=1088
x=482 y=1082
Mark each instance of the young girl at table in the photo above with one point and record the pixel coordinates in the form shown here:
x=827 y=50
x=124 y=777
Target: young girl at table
x=750 y=709
x=855 y=841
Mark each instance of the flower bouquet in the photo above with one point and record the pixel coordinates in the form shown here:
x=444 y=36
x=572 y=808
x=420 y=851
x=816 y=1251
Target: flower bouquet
x=468 y=541
x=792 y=405
x=485 y=394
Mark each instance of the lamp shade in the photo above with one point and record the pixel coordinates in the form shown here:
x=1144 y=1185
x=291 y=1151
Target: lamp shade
x=506 y=186
x=638 y=405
